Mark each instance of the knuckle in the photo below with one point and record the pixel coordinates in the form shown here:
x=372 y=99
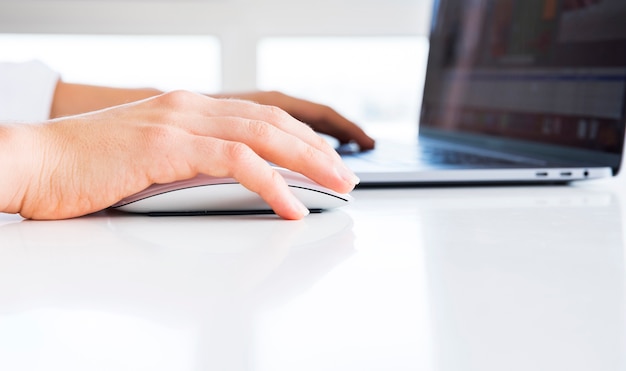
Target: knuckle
x=275 y=95
x=327 y=113
x=310 y=154
x=276 y=114
x=237 y=152
x=260 y=130
x=177 y=99
x=274 y=181
x=319 y=142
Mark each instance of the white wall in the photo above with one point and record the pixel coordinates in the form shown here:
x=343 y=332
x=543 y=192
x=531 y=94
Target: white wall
x=239 y=24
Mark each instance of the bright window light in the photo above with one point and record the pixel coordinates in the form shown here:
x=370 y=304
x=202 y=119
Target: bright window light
x=164 y=62
x=368 y=79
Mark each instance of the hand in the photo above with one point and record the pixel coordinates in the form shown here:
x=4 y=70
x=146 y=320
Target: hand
x=81 y=164
x=321 y=118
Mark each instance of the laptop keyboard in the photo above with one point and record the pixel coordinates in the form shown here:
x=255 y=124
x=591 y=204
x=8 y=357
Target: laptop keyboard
x=399 y=156
x=446 y=156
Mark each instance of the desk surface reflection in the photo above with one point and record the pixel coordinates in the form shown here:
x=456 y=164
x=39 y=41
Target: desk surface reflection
x=486 y=278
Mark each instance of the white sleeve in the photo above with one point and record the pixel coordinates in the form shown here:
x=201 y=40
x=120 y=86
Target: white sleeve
x=26 y=91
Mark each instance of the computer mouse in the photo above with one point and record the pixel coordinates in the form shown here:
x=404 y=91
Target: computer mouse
x=207 y=195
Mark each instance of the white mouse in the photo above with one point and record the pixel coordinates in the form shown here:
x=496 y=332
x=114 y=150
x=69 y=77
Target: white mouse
x=205 y=194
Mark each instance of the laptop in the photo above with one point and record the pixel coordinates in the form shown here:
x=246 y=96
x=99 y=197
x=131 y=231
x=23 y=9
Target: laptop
x=516 y=91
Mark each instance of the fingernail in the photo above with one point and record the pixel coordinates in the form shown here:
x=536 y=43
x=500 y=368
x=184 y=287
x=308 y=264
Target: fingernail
x=346 y=174
x=297 y=204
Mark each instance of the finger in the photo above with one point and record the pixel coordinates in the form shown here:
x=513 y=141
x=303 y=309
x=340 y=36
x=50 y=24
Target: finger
x=283 y=149
x=346 y=132
x=225 y=158
x=285 y=122
x=332 y=123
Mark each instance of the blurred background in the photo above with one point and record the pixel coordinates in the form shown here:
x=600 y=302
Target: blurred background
x=365 y=58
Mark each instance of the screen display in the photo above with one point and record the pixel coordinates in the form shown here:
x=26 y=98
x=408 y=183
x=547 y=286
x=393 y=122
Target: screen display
x=547 y=71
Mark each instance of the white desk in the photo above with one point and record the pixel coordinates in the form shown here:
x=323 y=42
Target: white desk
x=511 y=278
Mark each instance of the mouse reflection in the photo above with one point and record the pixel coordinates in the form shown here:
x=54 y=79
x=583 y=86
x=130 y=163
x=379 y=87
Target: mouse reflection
x=205 y=275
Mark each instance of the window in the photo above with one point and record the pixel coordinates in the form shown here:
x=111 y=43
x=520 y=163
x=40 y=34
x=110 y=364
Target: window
x=164 y=62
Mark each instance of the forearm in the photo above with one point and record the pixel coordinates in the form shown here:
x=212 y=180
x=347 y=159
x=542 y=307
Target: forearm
x=71 y=99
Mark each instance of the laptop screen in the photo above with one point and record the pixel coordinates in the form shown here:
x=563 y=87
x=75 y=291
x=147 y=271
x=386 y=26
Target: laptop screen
x=538 y=71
